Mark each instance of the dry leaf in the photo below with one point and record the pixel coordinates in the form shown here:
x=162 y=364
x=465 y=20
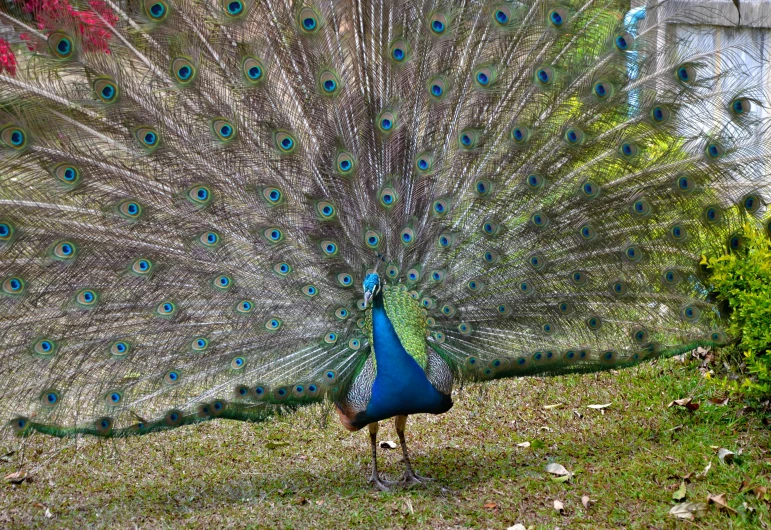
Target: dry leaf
x=599 y=407
x=301 y=501
x=559 y=507
x=517 y=527
x=17 y=477
x=586 y=501
x=704 y=473
x=748 y=508
x=719 y=400
x=725 y=455
x=687 y=477
x=549 y=407
x=680 y=494
x=685 y=403
x=721 y=502
x=388 y=444
x=490 y=505
x=524 y=444
x=557 y=469
x=688 y=510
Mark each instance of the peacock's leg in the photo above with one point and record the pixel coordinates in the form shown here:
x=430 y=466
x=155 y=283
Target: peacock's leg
x=380 y=484
x=409 y=475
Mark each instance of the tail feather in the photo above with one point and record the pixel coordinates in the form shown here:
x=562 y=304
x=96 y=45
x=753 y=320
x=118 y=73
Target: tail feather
x=189 y=216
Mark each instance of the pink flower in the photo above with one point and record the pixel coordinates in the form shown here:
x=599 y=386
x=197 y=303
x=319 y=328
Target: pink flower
x=7 y=58
x=56 y=14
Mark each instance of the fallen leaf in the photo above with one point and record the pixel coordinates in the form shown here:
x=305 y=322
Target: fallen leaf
x=490 y=505
x=7 y=457
x=748 y=508
x=48 y=513
x=687 y=477
x=719 y=400
x=686 y=403
x=680 y=494
x=559 y=507
x=524 y=444
x=557 y=469
x=388 y=444
x=586 y=501
x=301 y=501
x=17 y=478
x=688 y=510
x=704 y=473
x=517 y=527
x=275 y=445
x=598 y=407
x=549 y=407
x=725 y=455
x=721 y=502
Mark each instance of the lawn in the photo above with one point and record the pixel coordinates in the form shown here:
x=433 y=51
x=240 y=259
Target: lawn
x=305 y=471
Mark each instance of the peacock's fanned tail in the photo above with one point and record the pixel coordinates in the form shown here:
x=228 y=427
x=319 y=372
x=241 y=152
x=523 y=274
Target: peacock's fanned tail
x=192 y=191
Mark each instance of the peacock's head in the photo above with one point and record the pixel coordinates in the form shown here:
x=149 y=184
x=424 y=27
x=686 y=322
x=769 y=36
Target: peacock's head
x=371 y=287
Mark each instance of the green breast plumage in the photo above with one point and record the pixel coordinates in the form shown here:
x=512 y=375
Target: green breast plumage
x=408 y=319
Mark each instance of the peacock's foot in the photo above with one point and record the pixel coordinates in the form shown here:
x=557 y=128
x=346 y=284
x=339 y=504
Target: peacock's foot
x=410 y=478
x=381 y=484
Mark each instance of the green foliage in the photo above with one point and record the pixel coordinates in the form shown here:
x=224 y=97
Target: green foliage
x=743 y=280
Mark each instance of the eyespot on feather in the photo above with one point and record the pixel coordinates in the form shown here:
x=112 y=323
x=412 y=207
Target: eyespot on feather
x=183 y=70
x=502 y=15
x=166 y=309
x=399 y=51
x=223 y=130
x=624 y=41
x=329 y=83
x=386 y=122
x=106 y=89
x=61 y=45
x=469 y=139
x=345 y=163
x=285 y=142
x=558 y=17
x=244 y=307
x=156 y=10
x=686 y=74
x=14 y=137
x=253 y=70
x=148 y=138
x=308 y=20
x=87 y=298
x=438 y=23
x=233 y=9
x=64 y=251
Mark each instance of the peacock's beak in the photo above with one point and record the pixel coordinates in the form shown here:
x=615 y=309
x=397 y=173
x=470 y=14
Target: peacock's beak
x=367 y=298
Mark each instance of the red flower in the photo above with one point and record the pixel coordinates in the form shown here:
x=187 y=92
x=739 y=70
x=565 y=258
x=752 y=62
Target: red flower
x=7 y=58
x=54 y=14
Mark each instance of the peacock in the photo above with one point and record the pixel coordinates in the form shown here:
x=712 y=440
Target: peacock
x=235 y=208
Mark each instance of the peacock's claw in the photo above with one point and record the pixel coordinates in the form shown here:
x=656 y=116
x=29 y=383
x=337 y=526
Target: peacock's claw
x=381 y=484
x=410 y=478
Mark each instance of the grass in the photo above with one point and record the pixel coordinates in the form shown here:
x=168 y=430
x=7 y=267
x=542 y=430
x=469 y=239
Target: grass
x=628 y=459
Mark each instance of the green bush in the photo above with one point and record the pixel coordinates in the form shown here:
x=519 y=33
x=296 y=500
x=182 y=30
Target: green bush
x=743 y=280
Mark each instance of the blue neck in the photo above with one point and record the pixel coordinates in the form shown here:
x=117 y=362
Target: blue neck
x=401 y=386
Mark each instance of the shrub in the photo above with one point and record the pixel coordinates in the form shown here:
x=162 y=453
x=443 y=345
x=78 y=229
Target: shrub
x=742 y=279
